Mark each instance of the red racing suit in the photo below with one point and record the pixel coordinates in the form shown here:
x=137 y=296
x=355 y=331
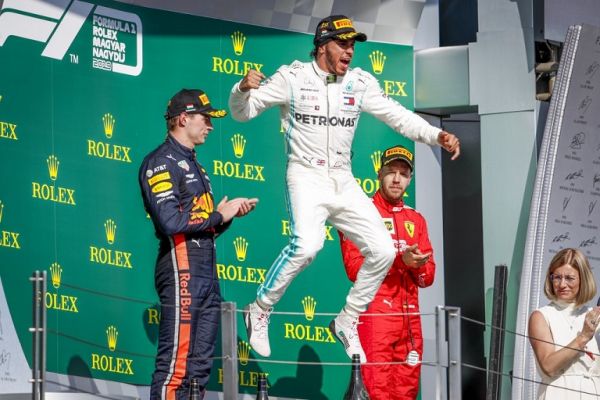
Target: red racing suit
x=389 y=338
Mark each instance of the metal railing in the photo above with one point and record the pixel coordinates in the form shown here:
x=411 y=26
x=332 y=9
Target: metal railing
x=446 y=363
x=39 y=334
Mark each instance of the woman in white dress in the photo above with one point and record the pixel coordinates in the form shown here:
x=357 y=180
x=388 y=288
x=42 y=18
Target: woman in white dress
x=562 y=333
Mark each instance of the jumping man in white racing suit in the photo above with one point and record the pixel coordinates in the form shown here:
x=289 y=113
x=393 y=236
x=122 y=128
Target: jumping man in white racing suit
x=320 y=105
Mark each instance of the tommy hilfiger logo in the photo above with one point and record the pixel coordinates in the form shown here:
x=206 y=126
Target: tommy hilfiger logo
x=239 y=144
x=241 y=248
x=239 y=40
x=377 y=61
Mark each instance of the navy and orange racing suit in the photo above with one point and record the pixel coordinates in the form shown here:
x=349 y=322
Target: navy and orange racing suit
x=390 y=338
x=178 y=196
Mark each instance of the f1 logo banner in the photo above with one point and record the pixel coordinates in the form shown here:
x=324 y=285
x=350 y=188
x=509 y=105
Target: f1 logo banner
x=58 y=22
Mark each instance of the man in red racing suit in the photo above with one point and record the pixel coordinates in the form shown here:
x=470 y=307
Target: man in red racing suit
x=389 y=337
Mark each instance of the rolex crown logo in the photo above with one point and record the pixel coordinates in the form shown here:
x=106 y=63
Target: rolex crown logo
x=1 y=210
x=239 y=40
x=241 y=248
x=111 y=335
x=377 y=61
x=55 y=273
x=53 y=164
x=376 y=159
x=244 y=352
x=309 y=304
x=111 y=229
x=239 y=144
x=109 y=125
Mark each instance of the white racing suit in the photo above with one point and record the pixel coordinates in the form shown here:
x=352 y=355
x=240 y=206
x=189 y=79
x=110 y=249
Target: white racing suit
x=320 y=119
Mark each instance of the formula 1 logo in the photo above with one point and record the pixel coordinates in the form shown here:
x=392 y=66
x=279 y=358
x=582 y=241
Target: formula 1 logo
x=57 y=24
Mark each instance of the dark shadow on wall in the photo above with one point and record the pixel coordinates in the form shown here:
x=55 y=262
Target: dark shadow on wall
x=248 y=371
x=80 y=376
x=308 y=379
x=150 y=320
x=80 y=380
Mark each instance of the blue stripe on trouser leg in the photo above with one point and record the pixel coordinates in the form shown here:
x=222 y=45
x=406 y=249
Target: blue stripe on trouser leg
x=307 y=211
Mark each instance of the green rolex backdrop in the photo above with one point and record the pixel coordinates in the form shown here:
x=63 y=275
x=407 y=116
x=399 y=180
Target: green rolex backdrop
x=81 y=102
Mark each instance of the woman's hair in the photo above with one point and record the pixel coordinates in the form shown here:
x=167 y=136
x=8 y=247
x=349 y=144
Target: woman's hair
x=576 y=259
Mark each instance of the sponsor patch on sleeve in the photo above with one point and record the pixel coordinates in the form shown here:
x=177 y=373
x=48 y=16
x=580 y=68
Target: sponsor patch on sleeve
x=161 y=167
x=161 y=187
x=160 y=177
x=389 y=224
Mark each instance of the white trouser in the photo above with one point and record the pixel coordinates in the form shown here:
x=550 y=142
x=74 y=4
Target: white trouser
x=316 y=196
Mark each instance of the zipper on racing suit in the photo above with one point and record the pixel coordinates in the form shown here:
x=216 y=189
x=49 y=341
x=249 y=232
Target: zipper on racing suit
x=328 y=123
x=404 y=277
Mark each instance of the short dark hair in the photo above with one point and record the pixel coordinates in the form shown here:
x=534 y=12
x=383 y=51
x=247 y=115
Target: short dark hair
x=172 y=123
x=314 y=51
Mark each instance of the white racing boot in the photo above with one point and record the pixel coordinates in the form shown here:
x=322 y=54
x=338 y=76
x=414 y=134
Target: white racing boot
x=257 y=327
x=345 y=329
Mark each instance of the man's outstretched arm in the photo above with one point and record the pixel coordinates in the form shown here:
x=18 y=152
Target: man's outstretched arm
x=253 y=95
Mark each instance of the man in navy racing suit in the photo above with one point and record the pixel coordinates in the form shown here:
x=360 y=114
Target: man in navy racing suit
x=320 y=104
x=177 y=194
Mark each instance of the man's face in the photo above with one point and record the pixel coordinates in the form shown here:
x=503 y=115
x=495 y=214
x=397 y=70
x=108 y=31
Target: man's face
x=394 y=178
x=337 y=55
x=197 y=127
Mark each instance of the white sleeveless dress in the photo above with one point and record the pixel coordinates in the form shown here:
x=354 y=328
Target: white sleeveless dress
x=583 y=375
